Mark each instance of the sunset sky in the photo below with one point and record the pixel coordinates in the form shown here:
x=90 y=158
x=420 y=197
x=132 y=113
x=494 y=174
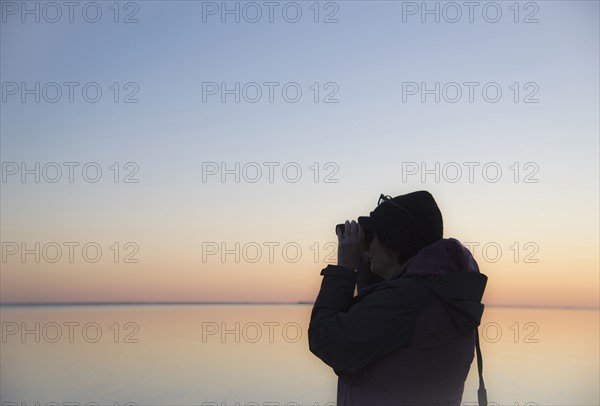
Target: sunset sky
x=357 y=130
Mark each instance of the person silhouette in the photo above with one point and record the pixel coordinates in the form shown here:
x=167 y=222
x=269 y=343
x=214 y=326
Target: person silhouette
x=407 y=337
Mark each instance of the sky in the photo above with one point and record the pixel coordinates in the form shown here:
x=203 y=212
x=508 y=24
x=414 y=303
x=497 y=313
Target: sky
x=163 y=151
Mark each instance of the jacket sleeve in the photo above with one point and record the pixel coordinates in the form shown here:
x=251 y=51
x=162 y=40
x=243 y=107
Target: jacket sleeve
x=348 y=336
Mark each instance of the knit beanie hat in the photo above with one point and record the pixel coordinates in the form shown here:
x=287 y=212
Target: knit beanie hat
x=405 y=223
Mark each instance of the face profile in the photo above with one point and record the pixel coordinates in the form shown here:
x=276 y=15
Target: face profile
x=383 y=261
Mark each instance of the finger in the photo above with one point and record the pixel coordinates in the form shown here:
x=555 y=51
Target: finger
x=361 y=232
x=362 y=238
x=354 y=229
x=347 y=228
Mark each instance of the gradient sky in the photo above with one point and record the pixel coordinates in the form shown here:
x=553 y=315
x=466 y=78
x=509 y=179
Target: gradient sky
x=369 y=137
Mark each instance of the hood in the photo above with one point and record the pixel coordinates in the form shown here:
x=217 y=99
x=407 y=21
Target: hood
x=450 y=272
x=444 y=256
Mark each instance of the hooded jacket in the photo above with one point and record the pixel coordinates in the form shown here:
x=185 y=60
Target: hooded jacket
x=406 y=341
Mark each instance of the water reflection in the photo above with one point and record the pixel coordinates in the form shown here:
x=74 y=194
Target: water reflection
x=195 y=354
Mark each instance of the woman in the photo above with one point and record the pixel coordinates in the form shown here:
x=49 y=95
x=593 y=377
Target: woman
x=407 y=337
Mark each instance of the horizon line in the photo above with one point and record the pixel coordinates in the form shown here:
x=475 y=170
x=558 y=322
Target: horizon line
x=171 y=303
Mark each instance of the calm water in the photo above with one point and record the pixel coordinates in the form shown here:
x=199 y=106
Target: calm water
x=178 y=355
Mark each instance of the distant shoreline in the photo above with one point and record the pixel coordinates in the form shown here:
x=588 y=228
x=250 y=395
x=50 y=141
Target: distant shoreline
x=47 y=304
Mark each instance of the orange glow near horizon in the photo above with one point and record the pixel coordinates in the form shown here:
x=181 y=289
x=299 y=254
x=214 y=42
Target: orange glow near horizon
x=553 y=281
